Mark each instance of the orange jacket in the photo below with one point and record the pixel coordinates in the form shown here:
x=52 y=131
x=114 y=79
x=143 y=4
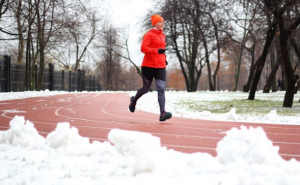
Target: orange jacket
x=152 y=41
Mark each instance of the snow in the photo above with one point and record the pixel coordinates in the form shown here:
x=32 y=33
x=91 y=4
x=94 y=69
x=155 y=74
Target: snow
x=245 y=156
x=28 y=94
x=174 y=104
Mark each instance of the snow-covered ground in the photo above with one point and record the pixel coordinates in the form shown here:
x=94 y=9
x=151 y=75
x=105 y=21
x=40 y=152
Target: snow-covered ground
x=192 y=105
x=244 y=156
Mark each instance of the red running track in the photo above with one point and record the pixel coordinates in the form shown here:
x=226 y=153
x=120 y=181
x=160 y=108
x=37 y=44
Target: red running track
x=95 y=114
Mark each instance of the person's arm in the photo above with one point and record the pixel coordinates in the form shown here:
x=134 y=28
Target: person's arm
x=145 y=45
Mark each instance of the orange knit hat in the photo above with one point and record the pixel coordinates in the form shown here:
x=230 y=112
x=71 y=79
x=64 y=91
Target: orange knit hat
x=155 y=19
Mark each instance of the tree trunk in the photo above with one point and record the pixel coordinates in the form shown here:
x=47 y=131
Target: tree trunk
x=210 y=83
x=28 y=47
x=262 y=60
x=219 y=53
x=272 y=77
x=20 y=33
x=270 y=80
x=253 y=66
x=237 y=74
x=289 y=73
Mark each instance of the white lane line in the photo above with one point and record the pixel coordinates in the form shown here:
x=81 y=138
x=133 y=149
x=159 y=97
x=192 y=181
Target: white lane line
x=192 y=147
x=168 y=145
x=120 y=123
x=286 y=143
x=290 y=155
x=102 y=109
x=57 y=110
x=216 y=122
x=82 y=119
x=30 y=100
x=129 y=124
x=153 y=133
x=114 y=95
x=4 y=127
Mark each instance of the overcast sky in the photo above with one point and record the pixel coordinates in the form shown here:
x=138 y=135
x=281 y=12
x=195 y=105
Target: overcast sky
x=128 y=14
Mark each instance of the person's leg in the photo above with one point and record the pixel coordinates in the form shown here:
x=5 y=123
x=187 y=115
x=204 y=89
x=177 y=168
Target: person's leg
x=160 y=80
x=148 y=74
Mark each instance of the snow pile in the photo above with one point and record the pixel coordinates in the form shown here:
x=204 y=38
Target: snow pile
x=244 y=156
x=66 y=139
x=28 y=94
x=21 y=134
x=250 y=158
x=133 y=143
x=231 y=115
x=251 y=145
x=271 y=117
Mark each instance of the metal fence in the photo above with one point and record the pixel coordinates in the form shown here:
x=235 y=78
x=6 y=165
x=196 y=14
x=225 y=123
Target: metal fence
x=12 y=78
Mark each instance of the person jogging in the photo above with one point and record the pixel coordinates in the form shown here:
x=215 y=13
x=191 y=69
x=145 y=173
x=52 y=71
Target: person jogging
x=154 y=65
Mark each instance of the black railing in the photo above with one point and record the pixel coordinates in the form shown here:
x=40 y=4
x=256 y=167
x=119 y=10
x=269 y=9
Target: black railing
x=12 y=78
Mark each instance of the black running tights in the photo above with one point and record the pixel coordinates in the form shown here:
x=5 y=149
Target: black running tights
x=159 y=74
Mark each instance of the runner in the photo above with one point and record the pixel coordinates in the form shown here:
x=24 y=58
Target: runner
x=154 y=65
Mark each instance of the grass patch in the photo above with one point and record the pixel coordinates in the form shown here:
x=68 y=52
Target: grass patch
x=243 y=107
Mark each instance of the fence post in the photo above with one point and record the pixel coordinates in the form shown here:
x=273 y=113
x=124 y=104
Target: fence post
x=79 y=80
x=94 y=88
x=35 y=76
x=83 y=80
x=70 y=80
x=51 y=76
x=7 y=66
x=63 y=79
x=90 y=81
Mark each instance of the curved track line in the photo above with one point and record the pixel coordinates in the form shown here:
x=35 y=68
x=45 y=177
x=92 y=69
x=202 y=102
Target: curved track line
x=220 y=122
x=198 y=123
x=183 y=140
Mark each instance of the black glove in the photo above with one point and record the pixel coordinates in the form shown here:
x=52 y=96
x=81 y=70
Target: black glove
x=166 y=62
x=161 y=51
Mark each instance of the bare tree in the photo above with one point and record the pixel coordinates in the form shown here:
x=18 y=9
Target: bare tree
x=83 y=25
x=110 y=64
x=272 y=77
x=262 y=59
x=4 y=7
x=45 y=12
x=125 y=47
x=278 y=9
x=246 y=27
x=17 y=8
x=295 y=43
x=218 y=46
x=184 y=38
x=30 y=18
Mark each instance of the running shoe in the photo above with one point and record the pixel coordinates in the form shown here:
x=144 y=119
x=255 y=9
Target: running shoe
x=165 y=115
x=132 y=104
